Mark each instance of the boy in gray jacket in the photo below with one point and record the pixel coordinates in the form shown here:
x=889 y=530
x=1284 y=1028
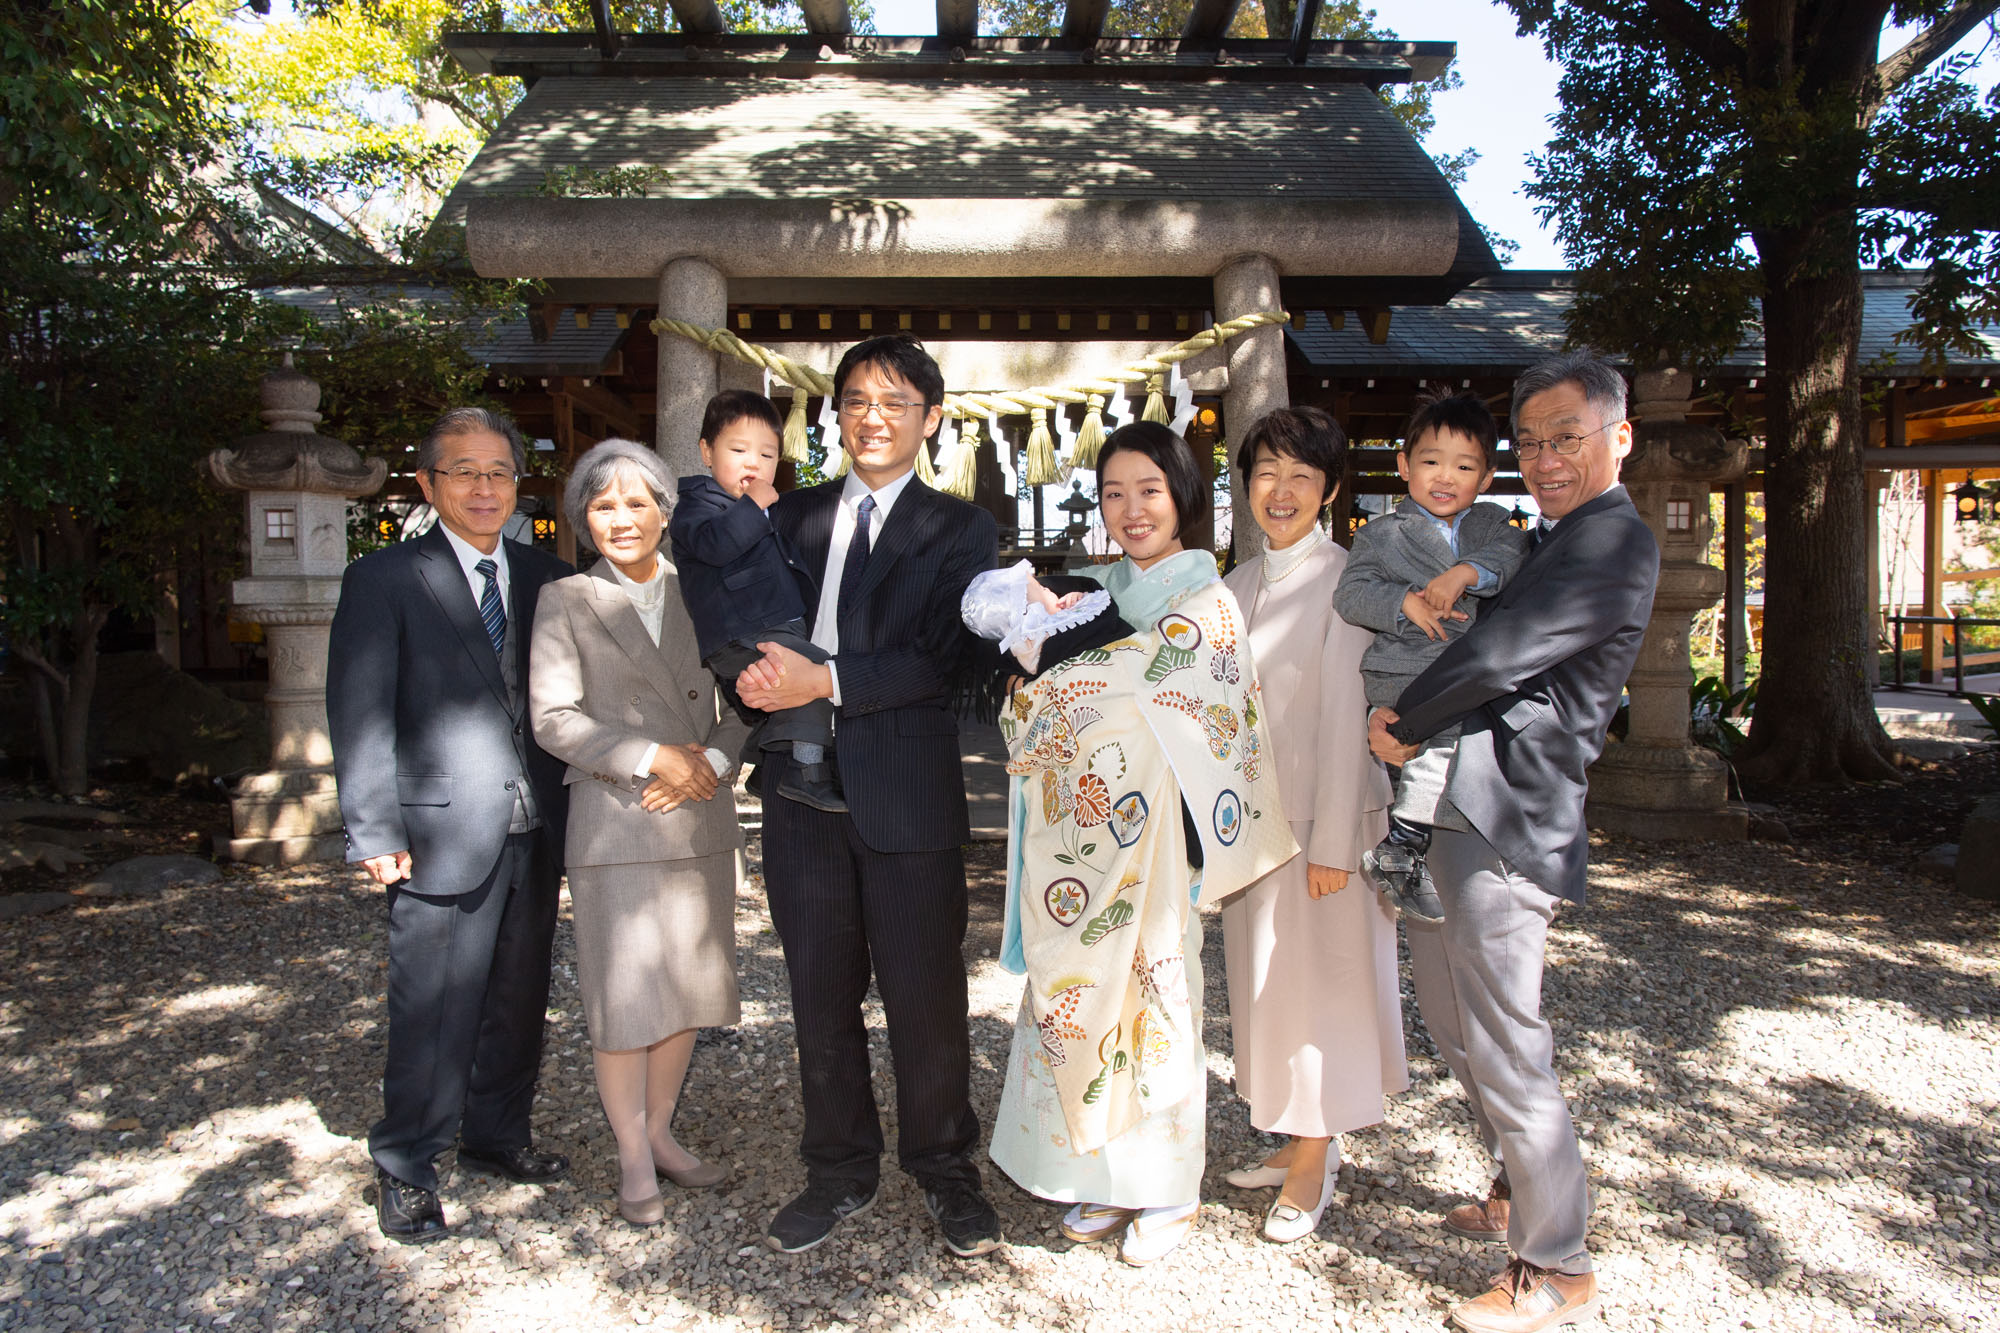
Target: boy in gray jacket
x=1413 y=577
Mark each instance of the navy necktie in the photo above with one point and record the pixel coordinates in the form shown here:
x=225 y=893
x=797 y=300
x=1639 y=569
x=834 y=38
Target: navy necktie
x=857 y=552
x=490 y=609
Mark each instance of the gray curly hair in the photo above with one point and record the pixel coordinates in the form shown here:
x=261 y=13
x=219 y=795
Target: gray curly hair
x=599 y=468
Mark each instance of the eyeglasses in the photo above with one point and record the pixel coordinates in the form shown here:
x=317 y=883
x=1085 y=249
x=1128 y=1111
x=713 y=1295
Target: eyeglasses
x=467 y=476
x=892 y=409
x=1566 y=444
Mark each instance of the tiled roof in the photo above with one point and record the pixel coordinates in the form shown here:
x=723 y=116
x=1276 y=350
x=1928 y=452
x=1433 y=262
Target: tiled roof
x=1502 y=324
x=831 y=137
x=504 y=345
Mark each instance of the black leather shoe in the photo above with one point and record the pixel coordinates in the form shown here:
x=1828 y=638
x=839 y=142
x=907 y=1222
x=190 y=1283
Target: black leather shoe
x=524 y=1166
x=811 y=1218
x=813 y=785
x=970 y=1226
x=407 y=1213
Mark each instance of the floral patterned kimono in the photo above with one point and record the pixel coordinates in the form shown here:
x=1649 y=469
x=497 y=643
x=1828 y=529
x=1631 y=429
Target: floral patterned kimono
x=1106 y=1085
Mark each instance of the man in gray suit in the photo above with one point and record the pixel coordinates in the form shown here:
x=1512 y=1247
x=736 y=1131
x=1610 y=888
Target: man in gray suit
x=452 y=807
x=1535 y=683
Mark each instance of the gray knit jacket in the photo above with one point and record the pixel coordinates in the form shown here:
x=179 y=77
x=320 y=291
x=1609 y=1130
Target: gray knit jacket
x=1399 y=553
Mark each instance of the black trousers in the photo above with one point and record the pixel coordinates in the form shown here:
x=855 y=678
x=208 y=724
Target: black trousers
x=840 y=907
x=810 y=722
x=468 y=994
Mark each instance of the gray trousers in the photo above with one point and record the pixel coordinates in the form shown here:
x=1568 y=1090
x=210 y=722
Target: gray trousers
x=1478 y=978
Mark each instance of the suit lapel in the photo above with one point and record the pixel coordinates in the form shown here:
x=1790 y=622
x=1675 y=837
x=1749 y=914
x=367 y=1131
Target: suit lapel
x=1540 y=559
x=446 y=580
x=614 y=610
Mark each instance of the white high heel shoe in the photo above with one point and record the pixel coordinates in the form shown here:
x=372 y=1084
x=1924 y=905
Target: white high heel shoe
x=1286 y=1222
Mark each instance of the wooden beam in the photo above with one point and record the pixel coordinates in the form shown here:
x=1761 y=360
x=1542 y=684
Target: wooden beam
x=1083 y=22
x=958 y=20
x=827 y=18
x=616 y=411
x=699 y=18
x=1303 y=23
x=1209 y=20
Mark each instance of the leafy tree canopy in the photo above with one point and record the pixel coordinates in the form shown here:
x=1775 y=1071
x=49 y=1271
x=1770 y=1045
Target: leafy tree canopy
x=1690 y=128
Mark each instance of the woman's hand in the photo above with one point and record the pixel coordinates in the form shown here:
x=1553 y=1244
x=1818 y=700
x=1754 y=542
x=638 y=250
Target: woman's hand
x=682 y=773
x=1324 y=881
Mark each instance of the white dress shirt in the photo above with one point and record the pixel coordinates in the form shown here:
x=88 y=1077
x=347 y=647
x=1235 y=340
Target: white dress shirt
x=826 y=622
x=649 y=600
x=469 y=556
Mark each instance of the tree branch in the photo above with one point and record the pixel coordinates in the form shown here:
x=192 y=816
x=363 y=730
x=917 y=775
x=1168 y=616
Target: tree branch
x=33 y=657
x=1923 y=49
x=1685 y=24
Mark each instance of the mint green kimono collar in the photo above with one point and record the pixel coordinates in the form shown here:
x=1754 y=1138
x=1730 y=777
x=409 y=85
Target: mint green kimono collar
x=1143 y=596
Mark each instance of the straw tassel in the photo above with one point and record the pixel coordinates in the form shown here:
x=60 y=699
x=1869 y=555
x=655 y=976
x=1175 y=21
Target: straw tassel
x=1090 y=437
x=961 y=477
x=926 y=472
x=1040 y=466
x=1156 y=403
x=795 y=428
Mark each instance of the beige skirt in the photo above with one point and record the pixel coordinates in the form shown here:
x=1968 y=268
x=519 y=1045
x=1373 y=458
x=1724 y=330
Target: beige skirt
x=655 y=948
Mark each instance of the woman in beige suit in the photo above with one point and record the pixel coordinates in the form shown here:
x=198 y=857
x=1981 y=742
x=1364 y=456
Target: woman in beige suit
x=617 y=693
x=1312 y=962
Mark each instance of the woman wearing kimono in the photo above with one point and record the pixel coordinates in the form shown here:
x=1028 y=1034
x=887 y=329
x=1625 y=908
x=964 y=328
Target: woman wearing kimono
x=1142 y=792
x=1312 y=961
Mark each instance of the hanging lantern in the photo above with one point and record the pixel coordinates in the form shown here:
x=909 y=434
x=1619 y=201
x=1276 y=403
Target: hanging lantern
x=1969 y=498
x=1520 y=518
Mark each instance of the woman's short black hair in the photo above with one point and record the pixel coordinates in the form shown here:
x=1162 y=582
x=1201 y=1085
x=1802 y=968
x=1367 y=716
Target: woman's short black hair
x=1462 y=413
x=1308 y=434
x=898 y=354
x=1186 y=487
x=733 y=405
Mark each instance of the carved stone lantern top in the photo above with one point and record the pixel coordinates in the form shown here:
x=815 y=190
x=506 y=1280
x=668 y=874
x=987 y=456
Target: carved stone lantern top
x=289 y=455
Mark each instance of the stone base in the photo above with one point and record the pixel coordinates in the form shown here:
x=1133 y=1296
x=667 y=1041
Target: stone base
x=283 y=851
x=1667 y=792
x=284 y=817
x=1729 y=824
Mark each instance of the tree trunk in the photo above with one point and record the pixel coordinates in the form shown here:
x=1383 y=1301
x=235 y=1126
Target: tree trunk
x=72 y=777
x=1815 y=719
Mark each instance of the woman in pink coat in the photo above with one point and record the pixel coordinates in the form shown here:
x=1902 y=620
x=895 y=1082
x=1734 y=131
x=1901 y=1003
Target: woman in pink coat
x=1311 y=957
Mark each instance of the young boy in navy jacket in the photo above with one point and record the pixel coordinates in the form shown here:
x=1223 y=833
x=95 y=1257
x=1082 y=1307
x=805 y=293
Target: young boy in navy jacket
x=744 y=585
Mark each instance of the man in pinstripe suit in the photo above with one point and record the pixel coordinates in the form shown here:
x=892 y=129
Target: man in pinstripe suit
x=884 y=882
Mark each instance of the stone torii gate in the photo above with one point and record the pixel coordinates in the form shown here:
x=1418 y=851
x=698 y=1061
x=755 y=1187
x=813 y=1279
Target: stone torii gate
x=984 y=193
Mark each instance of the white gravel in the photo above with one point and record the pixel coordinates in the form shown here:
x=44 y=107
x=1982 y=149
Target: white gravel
x=1785 y=1069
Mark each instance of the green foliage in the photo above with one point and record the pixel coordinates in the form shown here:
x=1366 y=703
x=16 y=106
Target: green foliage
x=580 y=182
x=1714 y=712
x=1988 y=708
x=1687 y=132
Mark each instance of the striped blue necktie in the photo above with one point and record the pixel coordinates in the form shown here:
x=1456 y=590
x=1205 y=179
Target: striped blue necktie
x=490 y=609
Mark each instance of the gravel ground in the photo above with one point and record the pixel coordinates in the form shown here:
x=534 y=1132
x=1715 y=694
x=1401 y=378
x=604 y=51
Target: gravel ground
x=1784 y=1064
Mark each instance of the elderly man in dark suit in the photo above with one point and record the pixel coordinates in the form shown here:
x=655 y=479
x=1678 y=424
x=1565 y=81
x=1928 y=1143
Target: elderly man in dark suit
x=882 y=883
x=1535 y=682
x=452 y=807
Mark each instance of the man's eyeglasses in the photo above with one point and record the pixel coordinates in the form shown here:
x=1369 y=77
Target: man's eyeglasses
x=1566 y=444
x=467 y=476
x=892 y=409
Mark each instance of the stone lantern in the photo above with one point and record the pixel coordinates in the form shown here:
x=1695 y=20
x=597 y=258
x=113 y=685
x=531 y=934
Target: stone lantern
x=298 y=484
x=1654 y=783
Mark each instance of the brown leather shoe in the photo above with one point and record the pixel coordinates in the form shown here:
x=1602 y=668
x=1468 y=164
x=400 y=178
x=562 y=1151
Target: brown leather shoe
x=1487 y=1221
x=1526 y=1298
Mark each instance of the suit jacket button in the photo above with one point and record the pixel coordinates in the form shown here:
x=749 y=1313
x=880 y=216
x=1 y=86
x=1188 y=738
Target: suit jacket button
x=635 y=701
x=694 y=694
x=510 y=784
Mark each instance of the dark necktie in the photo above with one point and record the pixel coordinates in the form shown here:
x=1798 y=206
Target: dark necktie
x=490 y=609
x=857 y=553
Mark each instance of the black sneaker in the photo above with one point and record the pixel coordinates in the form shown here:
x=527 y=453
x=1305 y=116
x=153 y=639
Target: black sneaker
x=970 y=1226
x=1404 y=880
x=811 y=1218
x=813 y=785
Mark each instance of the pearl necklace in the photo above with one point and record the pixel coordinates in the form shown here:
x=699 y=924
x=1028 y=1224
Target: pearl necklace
x=1282 y=564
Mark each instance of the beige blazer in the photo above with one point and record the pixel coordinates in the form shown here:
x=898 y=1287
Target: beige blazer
x=1316 y=717
x=600 y=693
